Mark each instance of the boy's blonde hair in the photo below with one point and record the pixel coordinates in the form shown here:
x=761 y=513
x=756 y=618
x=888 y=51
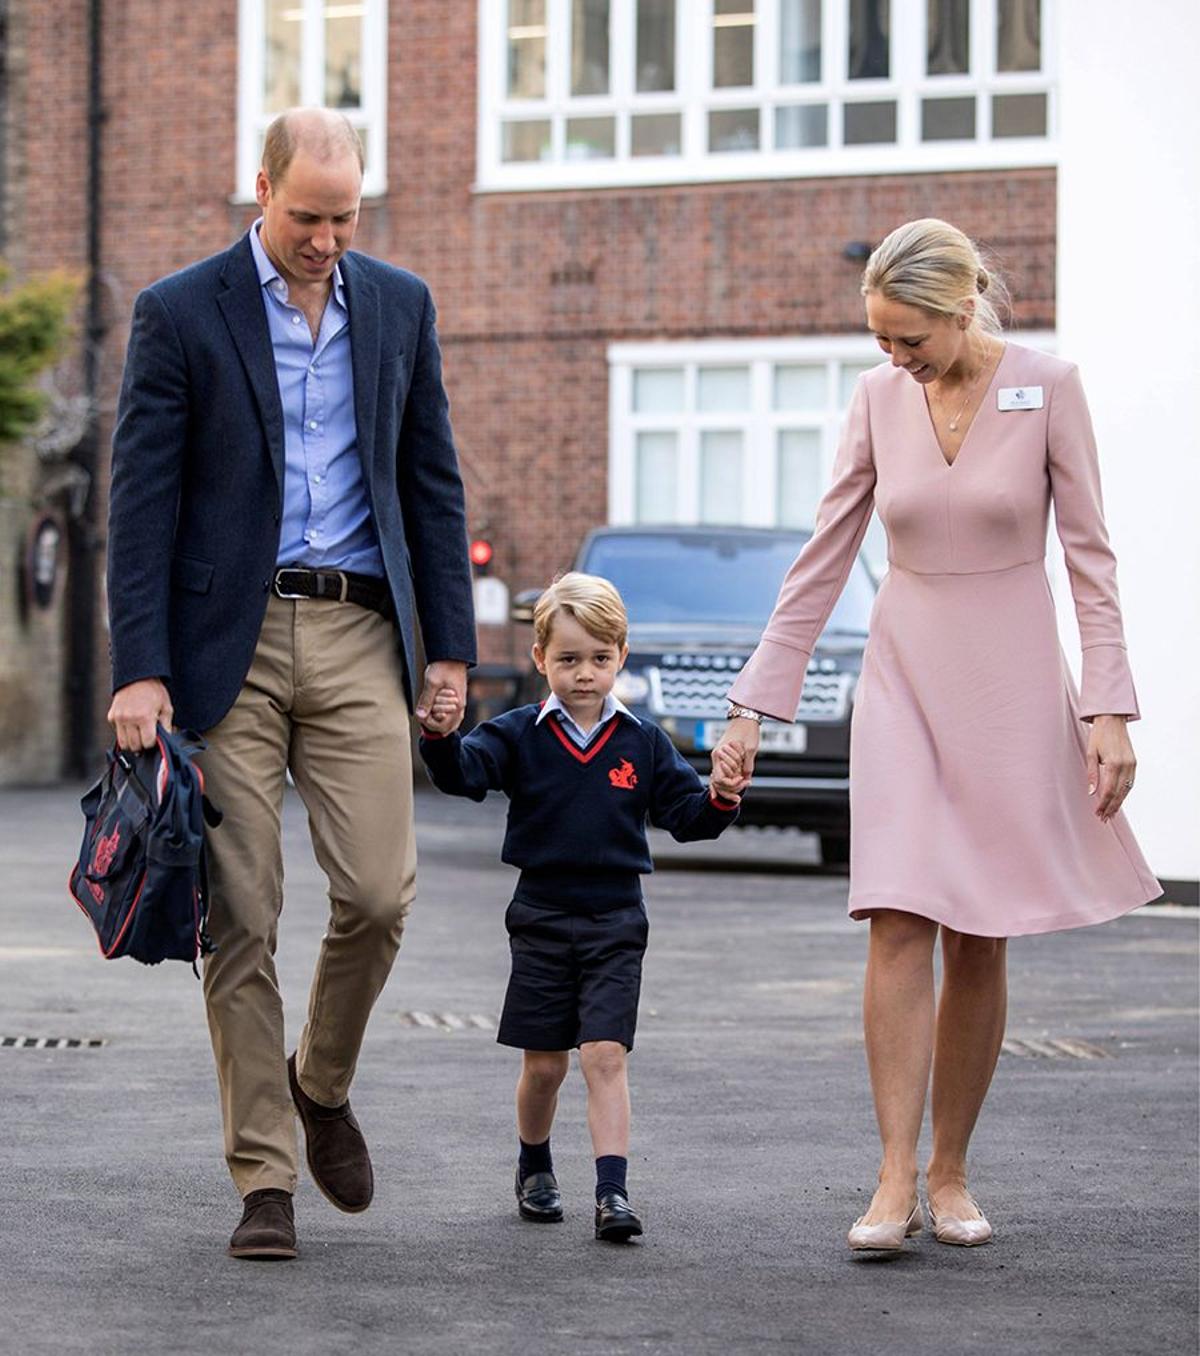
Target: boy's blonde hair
x=593 y=602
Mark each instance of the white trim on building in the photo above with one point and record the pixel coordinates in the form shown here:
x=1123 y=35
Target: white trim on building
x=556 y=113
x=285 y=58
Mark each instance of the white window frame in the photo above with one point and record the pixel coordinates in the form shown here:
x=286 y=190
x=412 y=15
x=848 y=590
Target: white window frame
x=694 y=97
x=760 y=424
x=253 y=120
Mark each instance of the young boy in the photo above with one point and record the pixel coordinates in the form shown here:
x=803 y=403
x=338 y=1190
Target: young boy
x=582 y=775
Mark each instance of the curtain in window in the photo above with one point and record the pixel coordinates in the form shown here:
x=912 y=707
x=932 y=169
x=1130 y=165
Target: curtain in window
x=869 y=55
x=1019 y=35
x=948 y=37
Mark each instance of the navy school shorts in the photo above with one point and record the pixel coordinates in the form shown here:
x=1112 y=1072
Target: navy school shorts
x=575 y=977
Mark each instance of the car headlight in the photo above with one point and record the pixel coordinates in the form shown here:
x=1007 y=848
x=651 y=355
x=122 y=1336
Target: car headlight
x=631 y=687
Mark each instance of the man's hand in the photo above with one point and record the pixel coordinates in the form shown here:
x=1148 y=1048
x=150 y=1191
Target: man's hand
x=136 y=709
x=441 y=675
x=444 y=714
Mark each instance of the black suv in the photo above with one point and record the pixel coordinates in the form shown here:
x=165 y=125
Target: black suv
x=698 y=599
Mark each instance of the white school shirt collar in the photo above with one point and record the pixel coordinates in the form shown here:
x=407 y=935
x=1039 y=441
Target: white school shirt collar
x=612 y=706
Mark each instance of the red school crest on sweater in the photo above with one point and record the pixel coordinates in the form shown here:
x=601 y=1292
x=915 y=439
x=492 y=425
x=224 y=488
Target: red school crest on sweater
x=624 y=778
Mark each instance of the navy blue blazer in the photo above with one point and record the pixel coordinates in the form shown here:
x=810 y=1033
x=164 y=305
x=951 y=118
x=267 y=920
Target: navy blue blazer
x=197 y=477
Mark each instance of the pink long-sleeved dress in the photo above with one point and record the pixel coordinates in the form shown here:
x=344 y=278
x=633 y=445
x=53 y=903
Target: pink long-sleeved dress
x=968 y=781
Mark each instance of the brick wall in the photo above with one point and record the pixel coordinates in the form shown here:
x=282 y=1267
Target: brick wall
x=530 y=288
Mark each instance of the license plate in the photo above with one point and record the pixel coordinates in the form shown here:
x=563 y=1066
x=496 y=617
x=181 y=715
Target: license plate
x=773 y=737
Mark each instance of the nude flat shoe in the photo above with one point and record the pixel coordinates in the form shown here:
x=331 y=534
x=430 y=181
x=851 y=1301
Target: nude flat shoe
x=962 y=1233
x=888 y=1236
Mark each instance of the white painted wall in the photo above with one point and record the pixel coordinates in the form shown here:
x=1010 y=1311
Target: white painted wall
x=1129 y=315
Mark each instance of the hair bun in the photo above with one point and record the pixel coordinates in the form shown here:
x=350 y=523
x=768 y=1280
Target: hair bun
x=982 y=280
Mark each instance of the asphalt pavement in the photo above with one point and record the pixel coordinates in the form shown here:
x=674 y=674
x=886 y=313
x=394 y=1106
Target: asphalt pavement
x=754 y=1143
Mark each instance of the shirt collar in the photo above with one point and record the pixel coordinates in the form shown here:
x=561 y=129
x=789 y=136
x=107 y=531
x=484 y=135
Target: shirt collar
x=612 y=706
x=269 y=275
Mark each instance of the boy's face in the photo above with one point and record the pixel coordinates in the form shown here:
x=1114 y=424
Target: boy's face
x=579 y=667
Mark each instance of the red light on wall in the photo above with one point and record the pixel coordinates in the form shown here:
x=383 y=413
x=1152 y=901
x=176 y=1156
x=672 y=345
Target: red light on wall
x=481 y=553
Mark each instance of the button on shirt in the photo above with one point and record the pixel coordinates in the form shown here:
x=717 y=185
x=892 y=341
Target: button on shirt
x=326 y=513
x=552 y=706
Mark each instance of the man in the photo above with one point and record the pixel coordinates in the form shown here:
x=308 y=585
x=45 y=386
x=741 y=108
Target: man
x=285 y=494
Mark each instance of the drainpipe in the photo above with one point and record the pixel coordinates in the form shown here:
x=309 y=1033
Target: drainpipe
x=83 y=540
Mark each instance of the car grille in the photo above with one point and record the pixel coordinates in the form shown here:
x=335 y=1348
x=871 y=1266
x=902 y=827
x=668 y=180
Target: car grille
x=701 y=693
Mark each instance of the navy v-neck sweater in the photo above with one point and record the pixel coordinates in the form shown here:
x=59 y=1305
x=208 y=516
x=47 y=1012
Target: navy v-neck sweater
x=577 y=817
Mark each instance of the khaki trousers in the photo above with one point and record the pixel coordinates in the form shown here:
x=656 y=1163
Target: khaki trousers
x=323 y=697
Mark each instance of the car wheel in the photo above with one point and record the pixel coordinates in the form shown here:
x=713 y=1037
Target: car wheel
x=835 y=850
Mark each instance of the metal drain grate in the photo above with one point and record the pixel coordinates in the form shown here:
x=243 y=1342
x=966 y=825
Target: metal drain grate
x=447 y=1021
x=1058 y=1047
x=51 y=1042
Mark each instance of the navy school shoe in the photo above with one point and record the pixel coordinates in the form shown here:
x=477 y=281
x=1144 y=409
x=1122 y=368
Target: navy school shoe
x=616 y=1219
x=538 y=1197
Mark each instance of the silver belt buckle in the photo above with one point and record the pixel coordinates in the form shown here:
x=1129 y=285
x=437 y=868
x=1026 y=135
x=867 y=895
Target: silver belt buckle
x=277 y=588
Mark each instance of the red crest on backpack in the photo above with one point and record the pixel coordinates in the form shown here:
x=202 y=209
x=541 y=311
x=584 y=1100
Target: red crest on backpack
x=106 y=850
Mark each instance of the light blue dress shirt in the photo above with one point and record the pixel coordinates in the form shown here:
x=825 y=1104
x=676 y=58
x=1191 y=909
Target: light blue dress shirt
x=580 y=736
x=326 y=513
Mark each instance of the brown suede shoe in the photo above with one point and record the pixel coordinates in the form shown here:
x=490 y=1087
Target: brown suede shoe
x=268 y=1228
x=335 y=1148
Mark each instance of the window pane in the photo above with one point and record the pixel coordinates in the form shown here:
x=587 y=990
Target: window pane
x=850 y=375
x=948 y=37
x=869 y=57
x=658 y=390
x=869 y=124
x=805 y=125
x=655 y=45
x=733 y=43
x=799 y=41
x=948 y=119
x=1018 y=35
x=657 y=478
x=721 y=477
x=655 y=134
x=1019 y=115
x=343 y=54
x=799 y=477
x=526 y=140
x=526 y=50
x=591 y=138
x=589 y=47
x=800 y=386
x=282 y=72
x=733 y=129
x=723 y=388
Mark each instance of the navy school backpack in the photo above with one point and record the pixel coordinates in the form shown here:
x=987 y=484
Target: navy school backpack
x=140 y=878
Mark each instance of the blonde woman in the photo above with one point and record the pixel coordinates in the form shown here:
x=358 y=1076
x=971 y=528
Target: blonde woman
x=986 y=792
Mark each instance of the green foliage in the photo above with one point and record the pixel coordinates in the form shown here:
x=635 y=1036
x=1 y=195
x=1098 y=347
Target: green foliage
x=35 y=324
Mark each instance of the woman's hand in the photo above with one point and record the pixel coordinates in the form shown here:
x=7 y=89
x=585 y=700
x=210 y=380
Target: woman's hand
x=740 y=743
x=1110 y=764
x=727 y=781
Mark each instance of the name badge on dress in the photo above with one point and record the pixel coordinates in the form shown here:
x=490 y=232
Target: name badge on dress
x=1019 y=398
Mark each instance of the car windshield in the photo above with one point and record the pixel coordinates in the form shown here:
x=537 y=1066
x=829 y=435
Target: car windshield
x=718 y=578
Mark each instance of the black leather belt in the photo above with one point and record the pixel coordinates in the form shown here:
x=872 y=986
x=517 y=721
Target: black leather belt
x=365 y=590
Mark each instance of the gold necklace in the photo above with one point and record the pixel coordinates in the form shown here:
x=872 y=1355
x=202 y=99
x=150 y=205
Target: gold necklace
x=953 y=425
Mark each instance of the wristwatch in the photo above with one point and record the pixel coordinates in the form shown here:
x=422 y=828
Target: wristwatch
x=736 y=712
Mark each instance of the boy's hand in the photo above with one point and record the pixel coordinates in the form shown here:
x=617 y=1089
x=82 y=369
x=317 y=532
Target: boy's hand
x=443 y=713
x=728 y=779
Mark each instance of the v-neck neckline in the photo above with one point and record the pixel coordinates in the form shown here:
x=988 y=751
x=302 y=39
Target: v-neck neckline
x=947 y=463
x=583 y=755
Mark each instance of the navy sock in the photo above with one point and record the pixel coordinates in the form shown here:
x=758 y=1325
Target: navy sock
x=535 y=1158
x=610 y=1174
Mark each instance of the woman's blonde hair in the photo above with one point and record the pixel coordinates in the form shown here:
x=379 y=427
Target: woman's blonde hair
x=934 y=266
x=593 y=602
